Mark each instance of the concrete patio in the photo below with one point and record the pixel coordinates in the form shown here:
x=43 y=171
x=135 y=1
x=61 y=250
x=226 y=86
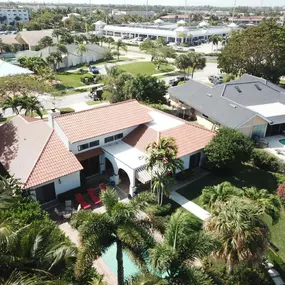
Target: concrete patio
x=275 y=146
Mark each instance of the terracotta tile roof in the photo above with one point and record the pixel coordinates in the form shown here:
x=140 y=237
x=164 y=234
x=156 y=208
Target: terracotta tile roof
x=21 y=144
x=140 y=137
x=91 y=123
x=189 y=138
x=54 y=162
x=90 y=153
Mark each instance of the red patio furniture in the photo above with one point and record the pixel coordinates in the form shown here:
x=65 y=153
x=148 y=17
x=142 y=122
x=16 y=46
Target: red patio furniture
x=102 y=186
x=80 y=199
x=93 y=196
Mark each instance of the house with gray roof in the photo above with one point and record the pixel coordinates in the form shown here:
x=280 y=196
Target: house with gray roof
x=250 y=104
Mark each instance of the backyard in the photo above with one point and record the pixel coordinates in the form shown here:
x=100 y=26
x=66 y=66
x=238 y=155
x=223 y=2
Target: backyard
x=148 y=68
x=69 y=80
x=243 y=176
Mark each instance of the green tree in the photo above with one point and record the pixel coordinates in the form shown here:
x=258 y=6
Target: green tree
x=31 y=105
x=11 y=102
x=146 y=88
x=54 y=58
x=119 y=225
x=44 y=42
x=81 y=49
x=214 y=39
x=263 y=57
x=10 y=191
x=227 y=148
x=182 y=61
x=119 y=45
x=182 y=244
x=236 y=224
x=162 y=161
x=109 y=41
x=33 y=63
x=197 y=61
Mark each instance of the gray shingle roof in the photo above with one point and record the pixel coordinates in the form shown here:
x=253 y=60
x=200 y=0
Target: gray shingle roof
x=224 y=104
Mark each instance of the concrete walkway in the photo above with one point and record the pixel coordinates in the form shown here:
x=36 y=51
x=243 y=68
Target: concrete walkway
x=190 y=206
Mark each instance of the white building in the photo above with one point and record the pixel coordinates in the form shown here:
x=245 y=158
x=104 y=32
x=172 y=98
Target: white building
x=55 y=157
x=14 y=14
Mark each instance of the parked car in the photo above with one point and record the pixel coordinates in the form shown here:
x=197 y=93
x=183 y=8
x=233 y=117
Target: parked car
x=94 y=69
x=174 y=82
x=215 y=78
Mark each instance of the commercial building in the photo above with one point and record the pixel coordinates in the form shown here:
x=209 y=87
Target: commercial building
x=10 y=15
x=170 y=32
x=250 y=104
x=53 y=157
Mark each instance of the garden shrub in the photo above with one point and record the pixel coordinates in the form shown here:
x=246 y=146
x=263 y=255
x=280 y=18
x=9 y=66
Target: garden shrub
x=157 y=210
x=266 y=161
x=277 y=262
x=66 y=110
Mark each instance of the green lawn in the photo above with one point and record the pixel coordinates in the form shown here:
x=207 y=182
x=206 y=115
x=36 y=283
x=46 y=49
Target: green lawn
x=243 y=176
x=148 y=68
x=69 y=80
x=121 y=59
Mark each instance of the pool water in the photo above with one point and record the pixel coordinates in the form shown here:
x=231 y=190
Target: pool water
x=282 y=141
x=109 y=257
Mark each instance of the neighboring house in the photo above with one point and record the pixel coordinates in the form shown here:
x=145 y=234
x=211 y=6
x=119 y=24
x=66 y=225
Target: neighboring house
x=9 y=69
x=9 y=39
x=110 y=139
x=30 y=39
x=250 y=104
x=94 y=52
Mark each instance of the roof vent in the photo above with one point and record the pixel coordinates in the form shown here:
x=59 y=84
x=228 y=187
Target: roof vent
x=233 y=106
x=238 y=89
x=257 y=87
x=209 y=94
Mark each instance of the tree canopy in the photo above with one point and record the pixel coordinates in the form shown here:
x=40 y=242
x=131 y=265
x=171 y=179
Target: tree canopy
x=228 y=147
x=257 y=50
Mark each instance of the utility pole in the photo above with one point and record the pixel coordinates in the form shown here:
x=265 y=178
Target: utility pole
x=234 y=8
x=185 y=9
x=146 y=9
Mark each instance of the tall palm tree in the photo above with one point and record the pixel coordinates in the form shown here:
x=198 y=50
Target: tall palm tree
x=236 y=224
x=162 y=158
x=54 y=59
x=119 y=45
x=81 y=49
x=31 y=105
x=182 y=61
x=182 y=244
x=109 y=41
x=159 y=186
x=120 y=226
x=214 y=39
x=197 y=61
x=11 y=102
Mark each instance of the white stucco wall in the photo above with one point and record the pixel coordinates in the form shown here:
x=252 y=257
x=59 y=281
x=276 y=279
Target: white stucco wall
x=74 y=147
x=60 y=133
x=67 y=183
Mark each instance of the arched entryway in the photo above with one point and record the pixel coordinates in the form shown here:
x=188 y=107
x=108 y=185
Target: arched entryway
x=109 y=167
x=124 y=181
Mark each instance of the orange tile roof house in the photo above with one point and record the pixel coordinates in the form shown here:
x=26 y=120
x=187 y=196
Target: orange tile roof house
x=52 y=157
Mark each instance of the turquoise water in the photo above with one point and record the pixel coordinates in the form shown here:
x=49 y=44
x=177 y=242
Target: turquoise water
x=109 y=257
x=282 y=141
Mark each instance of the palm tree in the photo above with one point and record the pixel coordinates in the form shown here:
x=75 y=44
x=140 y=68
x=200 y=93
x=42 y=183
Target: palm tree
x=81 y=49
x=32 y=249
x=197 y=61
x=118 y=45
x=236 y=224
x=120 y=226
x=182 y=244
x=109 y=41
x=159 y=186
x=11 y=102
x=162 y=157
x=221 y=192
x=31 y=105
x=54 y=59
x=214 y=39
x=182 y=61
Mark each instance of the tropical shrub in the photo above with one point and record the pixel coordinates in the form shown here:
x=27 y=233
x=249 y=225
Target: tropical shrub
x=227 y=148
x=266 y=161
x=66 y=110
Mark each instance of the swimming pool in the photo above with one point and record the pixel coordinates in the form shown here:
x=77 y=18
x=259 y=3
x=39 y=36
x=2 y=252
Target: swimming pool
x=282 y=141
x=109 y=257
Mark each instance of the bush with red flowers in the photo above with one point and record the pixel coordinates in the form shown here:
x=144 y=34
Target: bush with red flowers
x=281 y=192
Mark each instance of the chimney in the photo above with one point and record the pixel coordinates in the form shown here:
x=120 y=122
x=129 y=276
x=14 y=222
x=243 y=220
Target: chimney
x=51 y=115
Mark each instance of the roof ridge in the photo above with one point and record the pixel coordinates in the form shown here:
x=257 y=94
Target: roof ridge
x=100 y=107
x=40 y=155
